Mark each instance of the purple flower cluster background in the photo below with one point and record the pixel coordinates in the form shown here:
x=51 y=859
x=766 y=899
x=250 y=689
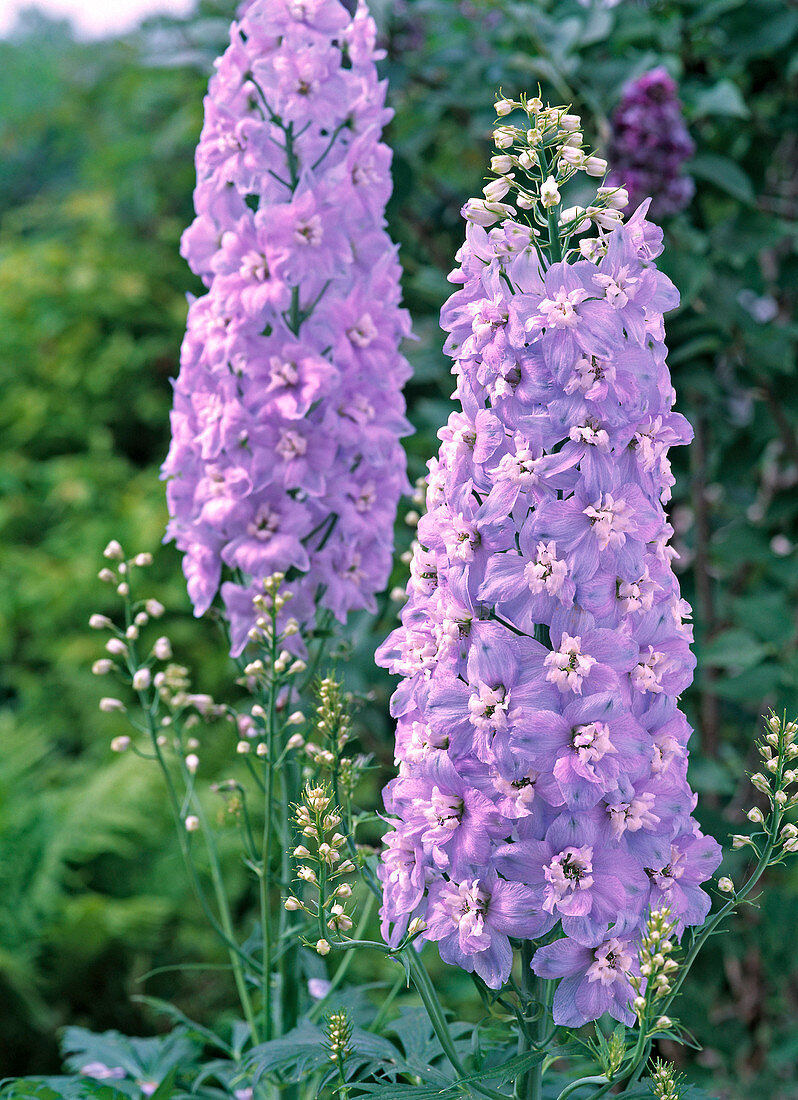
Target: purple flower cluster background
x=543 y=645
x=288 y=411
x=650 y=144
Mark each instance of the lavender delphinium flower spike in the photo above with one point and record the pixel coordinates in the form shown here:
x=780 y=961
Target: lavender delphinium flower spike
x=542 y=753
x=288 y=411
x=650 y=144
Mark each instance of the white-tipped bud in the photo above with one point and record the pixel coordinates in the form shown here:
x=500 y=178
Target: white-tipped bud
x=505 y=106
x=102 y=667
x=528 y=160
x=141 y=619
x=774 y=722
x=192 y=823
x=295 y=741
x=663 y=1023
x=254 y=668
x=740 y=841
x=143 y=560
x=154 y=609
x=639 y=1003
x=343 y=891
x=572 y=157
x=107 y=705
x=262 y=749
x=106 y=575
x=501 y=163
x=292 y=904
x=497 y=189
x=504 y=136
x=549 y=194
x=132 y=632
x=755 y=815
x=575 y=214
x=301 y=852
x=322 y=947
x=113 y=551
x=606 y=218
x=780 y=798
x=596 y=166
x=524 y=203
x=760 y=781
x=120 y=744
x=569 y=123
x=162 y=650
x=192 y=763
x=791 y=845
x=243 y=747
x=141 y=679
x=123 y=589
x=725 y=885
x=789 y=831
x=298 y=666
x=100 y=622
x=615 y=198
x=416 y=925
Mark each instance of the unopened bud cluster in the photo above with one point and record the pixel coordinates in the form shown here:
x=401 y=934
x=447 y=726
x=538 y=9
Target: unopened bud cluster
x=338 y=1036
x=657 y=968
x=322 y=865
x=778 y=781
x=536 y=160
x=667 y=1085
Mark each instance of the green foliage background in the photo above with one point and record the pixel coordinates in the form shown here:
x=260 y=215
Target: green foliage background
x=96 y=172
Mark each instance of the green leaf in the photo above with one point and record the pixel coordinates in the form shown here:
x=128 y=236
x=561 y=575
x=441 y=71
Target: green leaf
x=724 y=174
x=735 y=649
x=723 y=98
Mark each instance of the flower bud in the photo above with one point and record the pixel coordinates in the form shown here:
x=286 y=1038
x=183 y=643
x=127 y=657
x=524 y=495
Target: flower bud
x=120 y=744
x=102 y=666
x=499 y=164
x=143 y=560
x=107 y=705
x=497 y=189
x=113 y=551
x=549 y=195
x=141 y=679
x=192 y=823
x=726 y=885
x=755 y=815
x=596 y=166
x=292 y=904
x=154 y=609
x=322 y=947
x=100 y=622
x=162 y=650
x=192 y=763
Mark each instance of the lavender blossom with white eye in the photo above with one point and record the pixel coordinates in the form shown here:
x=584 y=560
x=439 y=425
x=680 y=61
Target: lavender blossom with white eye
x=288 y=408
x=543 y=644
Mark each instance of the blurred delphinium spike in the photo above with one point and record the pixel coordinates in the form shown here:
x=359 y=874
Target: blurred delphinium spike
x=285 y=453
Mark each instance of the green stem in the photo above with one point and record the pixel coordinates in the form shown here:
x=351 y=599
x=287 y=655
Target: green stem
x=345 y=962
x=584 y=1081
x=266 y=865
x=529 y=1085
x=426 y=991
x=554 y=246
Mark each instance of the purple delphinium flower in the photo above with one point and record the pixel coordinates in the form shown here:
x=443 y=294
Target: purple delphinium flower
x=544 y=641
x=650 y=143
x=285 y=452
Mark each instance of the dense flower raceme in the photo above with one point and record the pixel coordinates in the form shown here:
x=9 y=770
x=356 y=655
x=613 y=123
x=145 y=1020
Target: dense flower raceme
x=542 y=754
x=288 y=411
x=650 y=144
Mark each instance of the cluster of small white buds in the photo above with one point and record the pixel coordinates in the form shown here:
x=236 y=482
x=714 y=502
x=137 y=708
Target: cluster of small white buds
x=323 y=863
x=777 y=781
x=667 y=1085
x=657 y=968
x=337 y=1037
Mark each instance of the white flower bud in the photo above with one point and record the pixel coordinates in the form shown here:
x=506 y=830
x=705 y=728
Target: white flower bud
x=295 y=741
x=663 y=1023
x=501 y=163
x=132 y=632
x=791 y=845
x=760 y=781
x=416 y=925
x=113 y=551
x=572 y=157
x=119 y=744
x=569 y=123
x=549 y=195
x=726 y=885
x=322 y=947
x=343 y=891
x=478 y=212
x=505 y=106
x=107 y=705
x=504 y=136
x=243 y=747
x=780 y=798
x=615 y=198
x=755 y=815
x=106 y=576
x=123 y=589
x=528 y=160
x=497 y=189
x=292 y=904
x=142 y=560
x=192 y=763
x=154 y=609
x=596 y=166
x=100 y=622
x=102 y=667
x=162 y=650
x=262 y=749
x=192 y=823
x=141 y=679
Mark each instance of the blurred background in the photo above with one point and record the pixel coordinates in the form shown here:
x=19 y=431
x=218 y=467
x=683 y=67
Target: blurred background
x=98 y=123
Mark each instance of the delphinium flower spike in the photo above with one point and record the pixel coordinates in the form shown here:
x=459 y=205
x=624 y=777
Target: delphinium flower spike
x=542 y=753
x=287 y=416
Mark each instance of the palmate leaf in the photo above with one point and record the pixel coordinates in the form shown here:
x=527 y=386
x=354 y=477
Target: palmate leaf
x=501 y=1074
x=142 y=1059
x=69 y=1088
